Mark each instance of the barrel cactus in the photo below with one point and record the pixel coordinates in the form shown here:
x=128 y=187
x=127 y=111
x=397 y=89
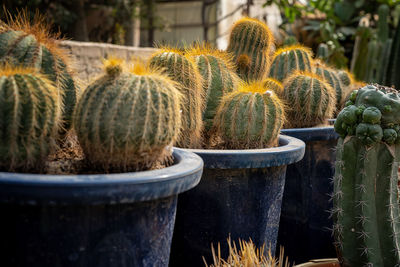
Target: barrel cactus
x=290 y=59
x=310 y=100
x=333 y=78
x=219 y=78
x=183 y=70
x=273 y=85
x=250 y=117
x=125 y=119
x=31 y=45
x=250 y=42
x=366 y=210
x=30 y=110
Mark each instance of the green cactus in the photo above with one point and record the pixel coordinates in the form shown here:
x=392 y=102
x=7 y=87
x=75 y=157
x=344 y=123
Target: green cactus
x=366 y=210
x=250 y=117
x=323 y=52
x=290 y=59
x=332 y=77
x=30 y=111
x=219 y=78
x=125 y=120
x=183 y=70
x=250 y=43
x=273 y=85
x=31 y=45
x=310 y=100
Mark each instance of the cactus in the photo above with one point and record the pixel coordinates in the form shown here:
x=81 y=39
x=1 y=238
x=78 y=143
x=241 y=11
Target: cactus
x=332 y=77
x=366 y=211
x=183 y=70
x=31 y=45
x=250 y=117
x=219 y=78
x=30 y=110
x=273 y=85
x=250 y=42
x=310 y=98
x=125 y=119
x=290 y=59
x=323 y=52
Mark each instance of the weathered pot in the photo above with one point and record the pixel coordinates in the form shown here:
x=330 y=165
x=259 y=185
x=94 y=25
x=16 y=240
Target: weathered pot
x=124 y=219
x=305 y=224
x=239 y=195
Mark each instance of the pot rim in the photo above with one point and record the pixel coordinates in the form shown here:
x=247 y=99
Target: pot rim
x=110 y=188
x=290 y=150
x=312 y=133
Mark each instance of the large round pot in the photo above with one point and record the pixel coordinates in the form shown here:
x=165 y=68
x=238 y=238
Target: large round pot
x=305 y=225
x=239 y=195
x=115 y=220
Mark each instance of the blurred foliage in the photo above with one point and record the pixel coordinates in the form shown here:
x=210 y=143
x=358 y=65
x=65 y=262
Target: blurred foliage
x=334 y=22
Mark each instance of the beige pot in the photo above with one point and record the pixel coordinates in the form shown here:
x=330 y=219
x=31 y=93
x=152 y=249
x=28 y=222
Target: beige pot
x=320 y=263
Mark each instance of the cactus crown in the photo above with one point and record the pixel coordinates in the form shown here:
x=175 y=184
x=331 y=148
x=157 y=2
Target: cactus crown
x=205 y=49
x=113 y=66
x=256 y=28
x=295 y=47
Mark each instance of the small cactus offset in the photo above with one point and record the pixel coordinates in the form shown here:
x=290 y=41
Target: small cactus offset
x=125 y=119
x=30 y=117
x=323 y=52
x=32 y=46
x=250 y=117
x=332 y=77
x=274 y=85
x=219 y=78
x=184 y=71
x=366 y=210
x=250 y=42
x=290 y=59
x=310 y=99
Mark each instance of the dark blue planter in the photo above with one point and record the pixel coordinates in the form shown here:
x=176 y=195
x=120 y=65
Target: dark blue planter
x=304 y=229
x=116 y=220
x=240 y=195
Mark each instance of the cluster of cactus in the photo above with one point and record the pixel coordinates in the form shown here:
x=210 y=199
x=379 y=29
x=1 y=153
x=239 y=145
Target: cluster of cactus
x=30 y=117
x=126 y=119
x=250 y=117
x=31 y=46
x=250 y=43
x=366 y=211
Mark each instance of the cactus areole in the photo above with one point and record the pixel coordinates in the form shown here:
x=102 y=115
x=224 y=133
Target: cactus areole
x=366 y=208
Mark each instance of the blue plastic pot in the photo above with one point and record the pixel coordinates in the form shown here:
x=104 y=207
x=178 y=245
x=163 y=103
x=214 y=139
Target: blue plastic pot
x=239 y=195
x=113 y=220
x=305 y=224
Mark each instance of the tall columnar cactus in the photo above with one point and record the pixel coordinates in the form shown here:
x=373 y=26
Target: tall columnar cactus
x=366 y=209
x=310 y=100
x=125 y=120
x=31 y=45
x=183 y=70
x=250 y=42
x=274 y=85
x=290 y=59
x=219 y=78
x=30 y=111
x=332 y=77
x=250 y=117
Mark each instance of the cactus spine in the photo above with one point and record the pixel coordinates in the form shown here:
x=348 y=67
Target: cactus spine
x=250 y=117
x=250 y=42
x=124 y=120
x=290 y=59
x=366 y=210
x=32 y=46
x=310 y=98
x=331 y=76
x=30 y=111
x=184 y=71
x=219 y=78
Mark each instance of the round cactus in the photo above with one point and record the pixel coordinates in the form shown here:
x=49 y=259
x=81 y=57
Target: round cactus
x=366 y=211
x=274 y=85
x=332 y=77
x=310 y=99
x=250 y=117
x=31 y=45
x=250 y=43
x=219 y=78
x=289 y=59
x=30 y=110
x=125 y=119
